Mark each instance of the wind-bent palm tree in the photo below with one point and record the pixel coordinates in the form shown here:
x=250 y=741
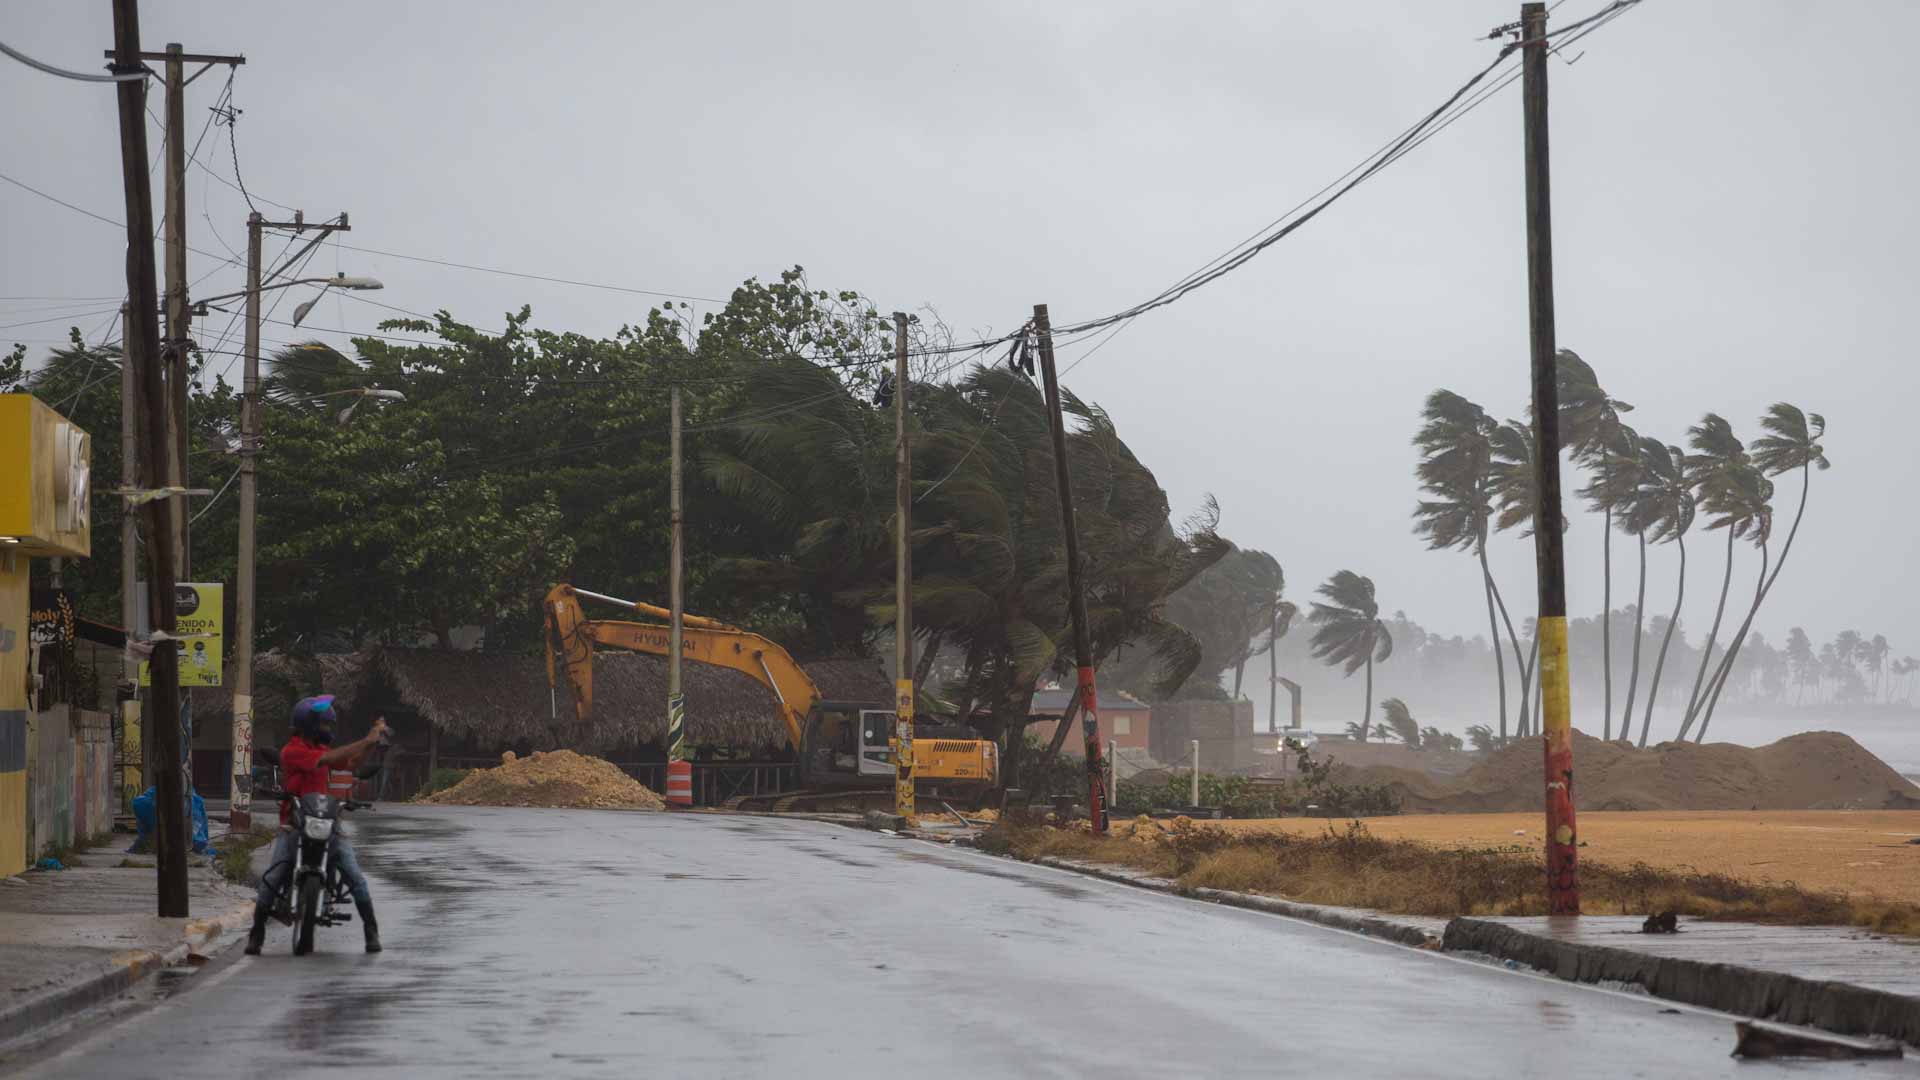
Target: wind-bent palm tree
x=1792 y=441
x=1456 y=454
x=1801 y=663
x=1397 y=720
x=1614 y=491
x=1662 y=510
x=1516 y=491
x=1589 y=422
x=1348 y=631
x=1716 y=470
x=1752 y=509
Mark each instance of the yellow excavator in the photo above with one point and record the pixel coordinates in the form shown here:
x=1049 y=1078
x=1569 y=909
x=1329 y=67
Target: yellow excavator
x=839 y=745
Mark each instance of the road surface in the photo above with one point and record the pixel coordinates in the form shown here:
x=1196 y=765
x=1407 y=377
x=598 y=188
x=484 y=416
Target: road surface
x=585 y=943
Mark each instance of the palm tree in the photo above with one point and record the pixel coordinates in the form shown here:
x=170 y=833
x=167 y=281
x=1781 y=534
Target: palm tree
x=1663 y=507
x=1792 y=441
x=1614 y=491
x=1589 y=422
x=1516 y=490
x=1753 y=494
x=1397 y=720
x=1875 y=653
x=1716 y=469
x=1801 y=662
x=1455 y=472
x=1348 y=631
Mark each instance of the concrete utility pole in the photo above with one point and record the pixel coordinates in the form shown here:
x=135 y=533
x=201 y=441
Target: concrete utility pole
x=903 y=803
x=143 y=354
x=240 y=808
x=1563 y=872
x=1076 y=596
x=679 y=769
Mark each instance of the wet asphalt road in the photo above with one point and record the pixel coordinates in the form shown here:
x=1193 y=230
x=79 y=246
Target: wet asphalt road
x=602 y=944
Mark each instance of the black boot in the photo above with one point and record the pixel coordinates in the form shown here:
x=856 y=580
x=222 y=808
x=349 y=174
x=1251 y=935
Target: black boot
x=372 y=926
x=257 y=937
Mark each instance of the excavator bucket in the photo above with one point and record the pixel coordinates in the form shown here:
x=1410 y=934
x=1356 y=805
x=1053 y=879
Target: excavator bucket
x=567 y=639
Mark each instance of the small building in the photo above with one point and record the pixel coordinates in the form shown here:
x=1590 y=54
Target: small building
x=1125 y=720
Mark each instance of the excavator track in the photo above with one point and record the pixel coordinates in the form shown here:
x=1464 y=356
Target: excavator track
x=813 y=800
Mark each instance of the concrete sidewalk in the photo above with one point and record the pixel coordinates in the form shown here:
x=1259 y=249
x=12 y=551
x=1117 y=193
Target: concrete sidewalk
x=70 y=939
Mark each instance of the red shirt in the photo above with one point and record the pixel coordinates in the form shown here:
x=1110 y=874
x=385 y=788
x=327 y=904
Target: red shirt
x=301 y=771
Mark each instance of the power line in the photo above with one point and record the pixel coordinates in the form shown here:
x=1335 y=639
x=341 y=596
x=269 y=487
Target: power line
x=534 y=277
x=80 y=76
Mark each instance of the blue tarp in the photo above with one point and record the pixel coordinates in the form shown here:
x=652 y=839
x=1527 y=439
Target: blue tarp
x=144 y=818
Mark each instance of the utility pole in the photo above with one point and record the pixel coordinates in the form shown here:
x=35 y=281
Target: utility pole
x=143 y=352
x=240 y=802
x=1076 y=596
x=1556 y=728
x=903 y=802
x=130 y=569
x=679 y=769
x=240 y=806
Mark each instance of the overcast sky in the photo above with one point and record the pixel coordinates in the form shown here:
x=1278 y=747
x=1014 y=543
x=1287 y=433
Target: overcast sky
x=1732 y=189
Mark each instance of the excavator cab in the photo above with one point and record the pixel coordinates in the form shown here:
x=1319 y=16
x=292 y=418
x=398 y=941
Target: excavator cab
x=847 y=742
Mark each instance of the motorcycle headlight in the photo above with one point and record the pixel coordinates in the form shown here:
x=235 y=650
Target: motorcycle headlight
x=319 y=828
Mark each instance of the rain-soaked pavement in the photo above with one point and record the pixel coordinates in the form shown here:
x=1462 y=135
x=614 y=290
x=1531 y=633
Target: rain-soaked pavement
x=584 y=943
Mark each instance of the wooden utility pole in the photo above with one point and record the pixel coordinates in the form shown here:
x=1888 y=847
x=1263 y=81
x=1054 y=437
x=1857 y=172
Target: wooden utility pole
x=1556 y=728
x=143 y=352
x=240 y=802
x=903 y=802
x=679 y=769
x=130 y=570
x=1076 y=595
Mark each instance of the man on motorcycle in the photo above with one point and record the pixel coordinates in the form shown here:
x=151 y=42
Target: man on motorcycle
x=305 y=762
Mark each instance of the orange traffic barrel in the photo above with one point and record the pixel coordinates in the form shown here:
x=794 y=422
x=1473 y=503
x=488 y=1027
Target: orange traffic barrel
x=679 y=783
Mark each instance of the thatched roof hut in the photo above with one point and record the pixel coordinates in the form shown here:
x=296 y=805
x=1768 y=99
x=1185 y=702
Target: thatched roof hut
x=500 y=699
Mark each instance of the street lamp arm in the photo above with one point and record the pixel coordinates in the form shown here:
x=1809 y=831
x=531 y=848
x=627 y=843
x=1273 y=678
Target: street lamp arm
x=339 y=281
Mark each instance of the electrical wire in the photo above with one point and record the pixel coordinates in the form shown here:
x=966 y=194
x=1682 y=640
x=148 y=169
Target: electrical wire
x=79 y=76
x=533 y=277
x=216 y=497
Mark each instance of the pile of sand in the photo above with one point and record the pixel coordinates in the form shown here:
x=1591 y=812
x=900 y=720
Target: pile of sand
x=1821 y=770
x=559 y=778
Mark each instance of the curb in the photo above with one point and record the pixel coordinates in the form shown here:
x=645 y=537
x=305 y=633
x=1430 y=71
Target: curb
x=1349 y=919
x=115 y=977
x=1744 y=991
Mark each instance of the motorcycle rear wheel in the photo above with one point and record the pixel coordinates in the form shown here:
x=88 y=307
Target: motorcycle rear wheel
x=308 y=913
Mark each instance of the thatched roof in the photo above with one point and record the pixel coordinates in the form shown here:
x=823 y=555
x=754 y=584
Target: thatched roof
x=501 y=699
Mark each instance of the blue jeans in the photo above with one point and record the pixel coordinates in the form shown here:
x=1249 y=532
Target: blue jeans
x=285 y=853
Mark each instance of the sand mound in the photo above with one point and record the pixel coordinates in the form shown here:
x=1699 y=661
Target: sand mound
x=559 y=778
x=1821 y=770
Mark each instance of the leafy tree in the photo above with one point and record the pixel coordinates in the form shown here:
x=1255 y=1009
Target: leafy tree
x=1348 y=631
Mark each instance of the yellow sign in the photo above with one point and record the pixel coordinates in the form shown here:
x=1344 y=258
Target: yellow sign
x=45 y=480
x=199 y=615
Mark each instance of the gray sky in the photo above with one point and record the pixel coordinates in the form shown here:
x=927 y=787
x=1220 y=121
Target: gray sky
x=1734 y=221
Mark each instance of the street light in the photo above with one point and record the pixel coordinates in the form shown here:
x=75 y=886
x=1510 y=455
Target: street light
x=337 y=281
x=361 y=395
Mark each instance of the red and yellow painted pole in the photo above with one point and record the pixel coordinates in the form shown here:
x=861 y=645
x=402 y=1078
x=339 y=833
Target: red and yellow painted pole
x=1556 y=726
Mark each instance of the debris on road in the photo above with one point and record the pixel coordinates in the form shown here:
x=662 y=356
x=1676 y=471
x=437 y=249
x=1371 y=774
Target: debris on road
x=554 y=778
x=1759 y=1039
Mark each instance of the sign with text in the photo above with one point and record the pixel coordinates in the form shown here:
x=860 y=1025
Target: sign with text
x=199 y=613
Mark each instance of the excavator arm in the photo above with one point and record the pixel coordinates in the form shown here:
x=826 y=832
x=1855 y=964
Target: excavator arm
x=571 y=637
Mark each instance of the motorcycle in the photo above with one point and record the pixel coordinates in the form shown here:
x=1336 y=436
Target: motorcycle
x=314 y=894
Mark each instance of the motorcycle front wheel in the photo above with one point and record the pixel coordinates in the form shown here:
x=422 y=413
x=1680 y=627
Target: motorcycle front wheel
x=307 y=912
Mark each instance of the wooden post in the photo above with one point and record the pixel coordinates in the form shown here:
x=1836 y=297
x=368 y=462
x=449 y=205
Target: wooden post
x=1556 y=728
x=1076 y=596
x=240 y=808
x=143 y=352
x=903 y=779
